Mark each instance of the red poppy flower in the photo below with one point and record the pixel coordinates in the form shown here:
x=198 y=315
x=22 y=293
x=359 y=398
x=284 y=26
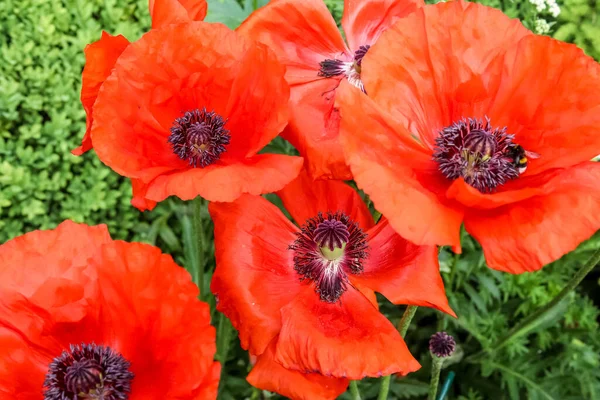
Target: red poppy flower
x=483 y=123
x=308 y=293
x=185 y=112
x=80 y=313
x=102 y=55
x=307 y=40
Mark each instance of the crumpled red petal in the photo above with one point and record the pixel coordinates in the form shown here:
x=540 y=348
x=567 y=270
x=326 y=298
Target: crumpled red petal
x=100 y=58
x=267 y=374
x=440 y=77
x=527 y=235
x=165 y=12
x=403 y=272
x=365 y=20
x=263 y=173
x=347 y=339
x=304 y=198
x=251 y=249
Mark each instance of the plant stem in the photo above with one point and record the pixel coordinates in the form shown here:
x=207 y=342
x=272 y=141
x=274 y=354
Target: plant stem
x=384 y=388
x=406 y=318
x=224 y=329
x=254 y=4
x=436 y=369
x=408 y=315
x=530 y=321
x=198 y=270
x=354 y=390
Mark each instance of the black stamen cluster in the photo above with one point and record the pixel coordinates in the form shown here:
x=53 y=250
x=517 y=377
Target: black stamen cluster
x=88 y=370
x=199 y=137
x=330 y=276
x=478 y=153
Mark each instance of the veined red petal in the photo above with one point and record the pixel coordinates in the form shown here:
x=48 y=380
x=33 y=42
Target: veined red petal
x=255 y=274
x=268 y=374
x=254 y=89
x=439 y=77
x=314 y=129
x=527 y=235
x=100 y=58
x=365 y=20
x=304 y=198
x=139 y=283
x=396 y=172
x=347 y=339
x=62 y=252
x=165 y=12
x=403 y=272
x=139 y=200
x=301 y=33
x=554 y=112
x=263 y=173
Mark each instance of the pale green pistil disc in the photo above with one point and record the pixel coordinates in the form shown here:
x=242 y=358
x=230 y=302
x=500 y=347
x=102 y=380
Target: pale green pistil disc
x=334 y=254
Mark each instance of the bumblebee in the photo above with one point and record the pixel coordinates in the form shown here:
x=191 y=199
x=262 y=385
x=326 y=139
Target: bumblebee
x=520 y=157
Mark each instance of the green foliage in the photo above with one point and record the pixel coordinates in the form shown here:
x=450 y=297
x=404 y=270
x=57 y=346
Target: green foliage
x=41 y=118
x=580 y=24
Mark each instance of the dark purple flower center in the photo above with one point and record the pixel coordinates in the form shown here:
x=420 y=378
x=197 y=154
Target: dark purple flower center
x=441 y=344
x=360 y=53
x=88 y=372
x=199 y=137
x=328 y=248
x=482 y=155
x=350 y=69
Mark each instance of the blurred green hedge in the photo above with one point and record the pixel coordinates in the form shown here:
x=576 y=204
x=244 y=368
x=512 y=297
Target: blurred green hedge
x=41 y=117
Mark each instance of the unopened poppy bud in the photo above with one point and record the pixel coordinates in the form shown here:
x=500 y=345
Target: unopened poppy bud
x=442 y=345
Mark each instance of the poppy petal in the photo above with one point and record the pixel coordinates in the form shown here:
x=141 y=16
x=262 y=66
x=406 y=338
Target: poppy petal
x=411 y=61
x=530 y=234
x=263 y=173
x=255 y=276
x=100 y=58
x=548 y=99
x=43 y=255
x=23 y=366
x=165 y=12
x=142 y=284
x=304 y=198
x=313 y=129
x=347 y=339
x=402 y=271
x=381 y=159
x=301 y=33
x=365 y=20
x=268 y=374
x=261 y=93
x=139 y=200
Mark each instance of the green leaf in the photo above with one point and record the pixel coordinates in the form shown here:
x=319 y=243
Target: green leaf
x=406 y=388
